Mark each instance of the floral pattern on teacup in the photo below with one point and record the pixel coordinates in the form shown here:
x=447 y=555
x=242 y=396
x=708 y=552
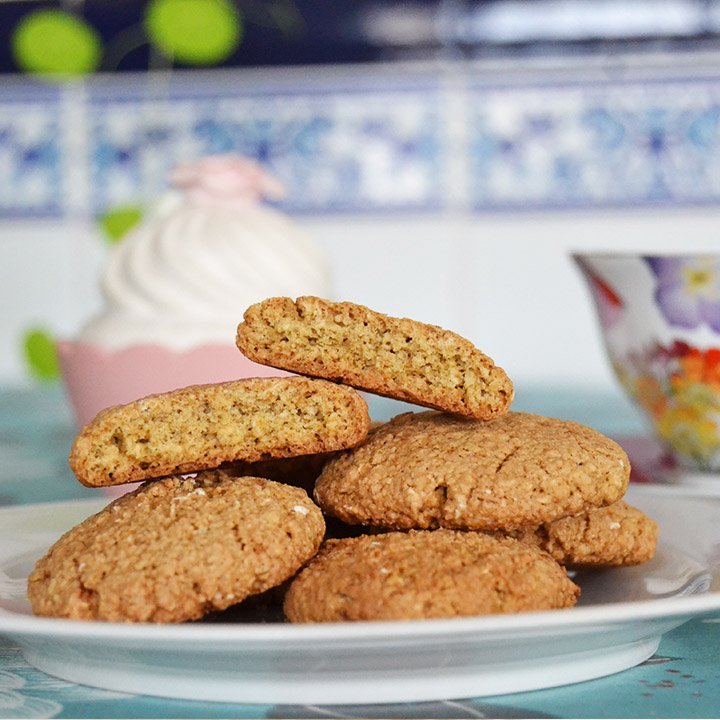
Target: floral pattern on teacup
x=688 y=289
x=678 y=386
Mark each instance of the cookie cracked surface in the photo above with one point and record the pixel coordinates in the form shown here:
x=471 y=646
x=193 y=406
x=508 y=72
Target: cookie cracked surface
x=426 y=574
x=176 y=549
x=395 y=357
x=427 y=470
x=203 y=426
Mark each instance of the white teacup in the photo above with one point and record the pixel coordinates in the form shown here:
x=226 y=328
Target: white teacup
x=660 y=320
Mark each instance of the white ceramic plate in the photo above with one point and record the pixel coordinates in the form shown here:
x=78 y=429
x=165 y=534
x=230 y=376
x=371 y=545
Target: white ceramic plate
x=618 y=624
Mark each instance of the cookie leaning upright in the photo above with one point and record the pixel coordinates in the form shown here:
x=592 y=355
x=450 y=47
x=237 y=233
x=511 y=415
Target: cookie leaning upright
x=176 y=549
x=427 y=470
x=204 y=426
x=395 y=357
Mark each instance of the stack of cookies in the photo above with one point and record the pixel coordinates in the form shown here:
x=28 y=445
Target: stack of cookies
x=467 y=509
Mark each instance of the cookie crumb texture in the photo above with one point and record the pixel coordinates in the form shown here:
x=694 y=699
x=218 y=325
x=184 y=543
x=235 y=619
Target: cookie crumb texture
x=395 y=357
x=203 y=426
x=176 y=549
x=426 y=574
x=428 y=470
x=612 y=536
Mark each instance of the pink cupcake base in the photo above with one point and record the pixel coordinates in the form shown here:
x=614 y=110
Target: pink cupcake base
x=96 y=378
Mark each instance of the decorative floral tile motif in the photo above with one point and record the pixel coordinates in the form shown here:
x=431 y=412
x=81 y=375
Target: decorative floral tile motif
x=401 y=141
x=603 y=145
x=334 y=151
x=30 y=155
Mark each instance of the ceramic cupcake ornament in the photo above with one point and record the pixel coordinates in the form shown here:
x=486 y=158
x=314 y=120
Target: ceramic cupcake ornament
x=177 y=285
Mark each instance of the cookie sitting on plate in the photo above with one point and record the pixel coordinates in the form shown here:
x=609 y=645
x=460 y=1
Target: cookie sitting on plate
x=424 y=574
x=618 y=535
x=176 y=549
x=429 y=469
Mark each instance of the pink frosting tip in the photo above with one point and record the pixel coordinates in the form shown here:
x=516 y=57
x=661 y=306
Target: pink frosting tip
x=226 y=178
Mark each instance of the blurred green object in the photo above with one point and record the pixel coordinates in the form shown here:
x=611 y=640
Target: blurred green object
x=194 y=32
x=41 y=355
x=56 y=42
x=118 y=221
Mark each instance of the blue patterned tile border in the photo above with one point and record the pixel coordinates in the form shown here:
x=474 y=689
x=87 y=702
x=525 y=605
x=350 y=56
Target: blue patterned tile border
x=595 y=145
x=373 y=140
x=336 y=149
x=31 y=176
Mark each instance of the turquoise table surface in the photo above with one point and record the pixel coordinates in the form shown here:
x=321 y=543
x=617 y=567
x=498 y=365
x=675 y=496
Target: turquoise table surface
x=681 y=680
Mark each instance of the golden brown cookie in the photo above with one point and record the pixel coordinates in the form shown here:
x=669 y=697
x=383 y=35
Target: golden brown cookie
x=395 y=357
x=427 y=470
x=203 y=426
x=616 y=535
x=176 y=549
x=426 y=574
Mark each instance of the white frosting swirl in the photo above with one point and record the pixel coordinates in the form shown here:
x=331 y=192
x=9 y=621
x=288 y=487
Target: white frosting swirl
x=184 y=277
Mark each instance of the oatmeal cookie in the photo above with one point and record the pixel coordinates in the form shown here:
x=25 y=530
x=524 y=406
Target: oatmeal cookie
x=176 y=549
x=616 y=535
x=395 y=357
x=427 y=470
x=426 y=574
x=204 y=426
